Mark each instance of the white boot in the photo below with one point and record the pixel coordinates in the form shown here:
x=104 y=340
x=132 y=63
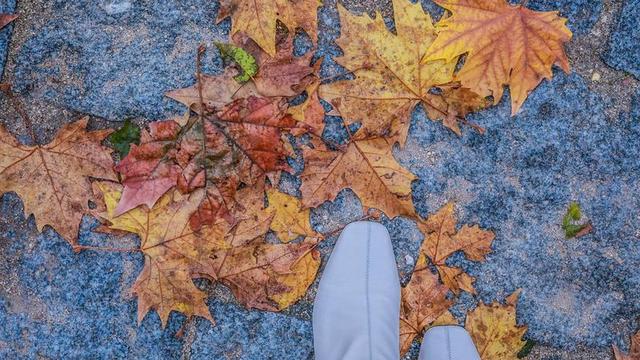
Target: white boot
x=448 y=343
x=357 y=308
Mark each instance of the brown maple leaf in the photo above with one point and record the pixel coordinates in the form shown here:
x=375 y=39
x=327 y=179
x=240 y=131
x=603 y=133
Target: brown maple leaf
x=365 y=166
x=506 y=45
x=441 y=240
x=423 y=301
x=52 y=179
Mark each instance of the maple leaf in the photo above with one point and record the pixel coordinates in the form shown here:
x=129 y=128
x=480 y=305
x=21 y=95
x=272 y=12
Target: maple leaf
x=217 y=91
x=505 y=45
x=423 y=302
x=122 y=138
x=258 y=18
x=5 y=19
x=173 y=252
x=494 y=330
x=290 y=220
x=441 y=240
x=634 y=349
x=390 y=79
x=365 y=166
x=241 y=143
x=52 y=179
x=261 y=275
x=147 y=170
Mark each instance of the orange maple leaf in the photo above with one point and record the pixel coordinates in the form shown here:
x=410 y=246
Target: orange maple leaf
x=505 y=45
x=52 y=179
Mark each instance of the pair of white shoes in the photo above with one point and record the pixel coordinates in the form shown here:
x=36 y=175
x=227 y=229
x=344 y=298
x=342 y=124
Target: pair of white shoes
x=356 y=314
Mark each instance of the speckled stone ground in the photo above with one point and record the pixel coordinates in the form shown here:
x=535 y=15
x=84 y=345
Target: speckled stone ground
x=576 y=139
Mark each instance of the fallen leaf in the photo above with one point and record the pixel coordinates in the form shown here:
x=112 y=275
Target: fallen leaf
x=5 y=19
x=173 y=253
x=52 y=179
x=290 y=220
x=122 y=138
x=441 y=240
x=634 y=349
x=281 y=75
x=495 y=332
x=390 y=79
x=423 y=302
x=148 y=171
x=242 y=58
x=571 y=217
x=258 y=18
x=217 y=91
x=505 y=45
x=365 y=166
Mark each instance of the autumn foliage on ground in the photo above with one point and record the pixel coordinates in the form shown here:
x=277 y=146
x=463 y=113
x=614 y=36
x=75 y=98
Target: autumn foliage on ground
x=201 y=190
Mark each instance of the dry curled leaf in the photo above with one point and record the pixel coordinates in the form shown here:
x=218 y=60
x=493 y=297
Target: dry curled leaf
x=494 y=330
x=258 y=18
x=290 y=220
x=52 y=179
x=634 y=350
x=390 y=79
x=505 y=45
x=365 y=166
x=423 y=302
x=441 y=239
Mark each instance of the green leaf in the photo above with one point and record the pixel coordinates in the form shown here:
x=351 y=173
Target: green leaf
x=568 y=222
x=526 y=349
x=122 y=139
x=245 y=61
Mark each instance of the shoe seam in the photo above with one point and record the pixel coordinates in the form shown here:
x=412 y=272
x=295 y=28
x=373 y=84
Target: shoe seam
x=370 y=342
x=449 y=344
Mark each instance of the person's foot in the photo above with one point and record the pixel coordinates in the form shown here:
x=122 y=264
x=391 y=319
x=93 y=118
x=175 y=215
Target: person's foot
x=357 y=308
x=449 y=342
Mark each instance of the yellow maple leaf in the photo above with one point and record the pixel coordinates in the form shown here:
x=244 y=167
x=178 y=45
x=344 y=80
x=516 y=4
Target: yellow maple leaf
x=441 y=240
x=506 y=45
x=290 y=220
x=52 y=179
x=365 y=166
x=390 y=79
x=258 y=18
x=494 y=330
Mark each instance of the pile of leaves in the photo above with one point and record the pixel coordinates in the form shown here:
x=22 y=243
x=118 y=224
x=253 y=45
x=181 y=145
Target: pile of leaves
x=201 y=191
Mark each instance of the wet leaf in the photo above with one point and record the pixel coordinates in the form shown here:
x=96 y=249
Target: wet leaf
x=52 y=179
x=505 y=45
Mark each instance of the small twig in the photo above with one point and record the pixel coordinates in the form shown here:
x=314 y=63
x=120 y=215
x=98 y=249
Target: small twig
x=18 y=106
x=78 y=248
